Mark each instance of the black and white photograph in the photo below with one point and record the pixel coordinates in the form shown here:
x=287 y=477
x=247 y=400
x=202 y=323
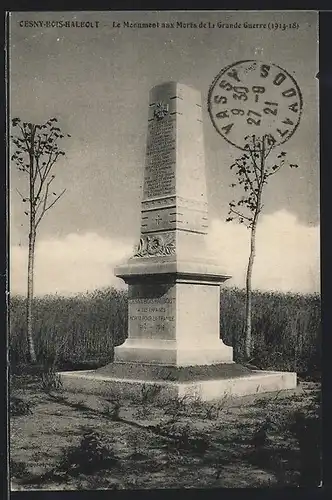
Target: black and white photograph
x=164 y=287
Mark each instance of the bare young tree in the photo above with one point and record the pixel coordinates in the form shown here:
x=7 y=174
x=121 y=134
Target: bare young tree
x=253 y=172
x=35 y=152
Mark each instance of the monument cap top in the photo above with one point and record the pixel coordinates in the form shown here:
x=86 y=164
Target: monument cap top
x=173 y=86
x=169 y=82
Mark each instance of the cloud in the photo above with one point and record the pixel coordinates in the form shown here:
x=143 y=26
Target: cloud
x=76 y=263
x=287 y=253
x=287 y=258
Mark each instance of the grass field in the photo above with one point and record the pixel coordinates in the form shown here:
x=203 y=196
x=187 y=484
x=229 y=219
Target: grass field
x=62 y=440
x=86 y=327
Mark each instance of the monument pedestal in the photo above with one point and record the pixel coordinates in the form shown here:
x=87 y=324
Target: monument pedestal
x=173 y=315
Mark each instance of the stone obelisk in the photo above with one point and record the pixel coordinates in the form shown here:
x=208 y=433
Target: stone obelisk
x=174 y=287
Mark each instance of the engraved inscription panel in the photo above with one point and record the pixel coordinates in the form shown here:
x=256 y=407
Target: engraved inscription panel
x=158 y=220
x=167 y=202
x=152 y=311
x=159 y=176
x=192 y=220
x=182 y=218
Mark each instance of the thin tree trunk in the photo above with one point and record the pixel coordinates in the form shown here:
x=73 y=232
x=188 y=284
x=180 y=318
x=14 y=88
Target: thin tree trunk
x=31 y=256
x=248 y=334
x=31 y=259
x=248 y=325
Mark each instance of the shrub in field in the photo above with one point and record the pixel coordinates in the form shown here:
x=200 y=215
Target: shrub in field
x=135 y=441
x=112 y=410
x=18 y=469
x=89 y=456
x=98 y=482
x=148 y=395
x=19 y=407
x=192 y=405
x=179 y=406
x=112 y=402
x=307 y=431
x=212 y=411
x=50 y=380
x=183 y=438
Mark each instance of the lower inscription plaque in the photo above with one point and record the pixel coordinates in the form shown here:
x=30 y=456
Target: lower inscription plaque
x=150 y=315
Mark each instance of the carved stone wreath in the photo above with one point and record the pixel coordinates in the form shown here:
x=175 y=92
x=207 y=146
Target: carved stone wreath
x=155 y=246
x=160 y=110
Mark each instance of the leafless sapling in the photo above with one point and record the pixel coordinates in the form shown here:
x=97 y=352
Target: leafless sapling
x=253 y=171
x=35 y=152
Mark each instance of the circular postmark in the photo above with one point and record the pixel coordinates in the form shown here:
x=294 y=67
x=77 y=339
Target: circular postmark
x=255 y=98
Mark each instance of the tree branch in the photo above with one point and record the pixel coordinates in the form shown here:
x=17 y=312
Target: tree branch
x=250 y=181
x=54 y=201
x=24 y=137
x=269 y=151
x=39 y=203
x=50 y=162
x=50 y=206
x=275 y=170
x=44 y=203
x=37 y=156
x=256 y=167
x=21 y=195
x=47 y=170
x=239 y=214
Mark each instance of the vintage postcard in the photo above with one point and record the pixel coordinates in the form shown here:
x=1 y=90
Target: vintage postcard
x=164 y=286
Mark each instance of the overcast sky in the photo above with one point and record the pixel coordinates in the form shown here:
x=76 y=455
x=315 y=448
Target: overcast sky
x=96 y=81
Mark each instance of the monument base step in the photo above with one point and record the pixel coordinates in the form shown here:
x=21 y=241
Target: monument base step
x=187 y=381
x=172 y=373
x=168 y=354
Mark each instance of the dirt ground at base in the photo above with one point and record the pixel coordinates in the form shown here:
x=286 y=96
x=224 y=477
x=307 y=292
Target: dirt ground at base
x=224 y=449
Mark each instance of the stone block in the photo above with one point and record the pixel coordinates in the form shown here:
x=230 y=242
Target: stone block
x=212 y=389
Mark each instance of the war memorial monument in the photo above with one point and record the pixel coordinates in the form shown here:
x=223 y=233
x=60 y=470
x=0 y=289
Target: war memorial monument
x=173 y=283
